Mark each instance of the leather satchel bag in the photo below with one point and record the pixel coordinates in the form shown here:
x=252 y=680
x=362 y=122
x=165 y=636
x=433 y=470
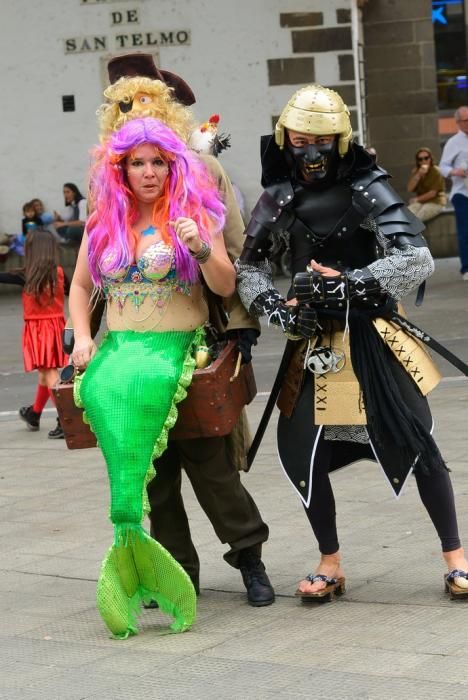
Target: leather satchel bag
x=214 y=402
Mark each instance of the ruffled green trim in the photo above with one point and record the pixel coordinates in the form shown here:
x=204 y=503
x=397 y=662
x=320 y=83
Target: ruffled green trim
x=78 y=400
x=185 y=380
x=77 y=389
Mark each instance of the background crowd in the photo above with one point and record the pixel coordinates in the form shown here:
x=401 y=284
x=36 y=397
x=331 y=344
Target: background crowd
x=66 y=224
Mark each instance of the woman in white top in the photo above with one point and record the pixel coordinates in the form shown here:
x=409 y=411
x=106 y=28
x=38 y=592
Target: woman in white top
x=70 y=225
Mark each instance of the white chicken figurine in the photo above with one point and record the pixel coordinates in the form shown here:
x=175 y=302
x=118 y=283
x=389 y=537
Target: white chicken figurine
x=205 y=139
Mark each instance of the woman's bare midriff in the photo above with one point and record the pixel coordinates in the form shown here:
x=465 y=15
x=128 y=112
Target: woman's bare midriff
x=181 y=313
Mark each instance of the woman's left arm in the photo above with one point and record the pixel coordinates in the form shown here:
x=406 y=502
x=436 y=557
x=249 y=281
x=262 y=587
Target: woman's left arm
x=217 y=270
x=80 y=295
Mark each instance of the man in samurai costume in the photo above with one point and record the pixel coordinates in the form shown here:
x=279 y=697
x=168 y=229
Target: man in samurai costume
x=138 y=89
x=355 y=382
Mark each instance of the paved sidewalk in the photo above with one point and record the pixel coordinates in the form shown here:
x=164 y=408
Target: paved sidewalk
x=394 y=635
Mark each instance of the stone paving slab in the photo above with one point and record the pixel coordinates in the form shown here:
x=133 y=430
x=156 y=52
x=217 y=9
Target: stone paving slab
x=394 y=634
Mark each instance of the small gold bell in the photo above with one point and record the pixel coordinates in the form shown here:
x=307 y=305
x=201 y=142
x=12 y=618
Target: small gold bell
x=202 y=357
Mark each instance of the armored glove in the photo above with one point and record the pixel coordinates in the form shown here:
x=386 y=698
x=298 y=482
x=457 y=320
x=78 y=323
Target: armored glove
x=293 y=320
x=334 y=292
x=245 y=338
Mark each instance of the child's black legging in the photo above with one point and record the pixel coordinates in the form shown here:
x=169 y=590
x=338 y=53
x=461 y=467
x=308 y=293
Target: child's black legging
x=435 y=490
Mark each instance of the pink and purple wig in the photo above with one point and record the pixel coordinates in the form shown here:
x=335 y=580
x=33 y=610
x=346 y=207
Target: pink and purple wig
x=189 y=191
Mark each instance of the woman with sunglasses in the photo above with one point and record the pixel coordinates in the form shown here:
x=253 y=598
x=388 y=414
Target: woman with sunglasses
x=427 y=186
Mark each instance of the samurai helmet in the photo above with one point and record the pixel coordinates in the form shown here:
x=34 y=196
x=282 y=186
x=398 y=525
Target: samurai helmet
x=316 y=110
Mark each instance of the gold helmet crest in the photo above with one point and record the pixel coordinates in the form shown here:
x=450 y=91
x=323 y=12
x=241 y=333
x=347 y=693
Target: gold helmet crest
x=316 y=110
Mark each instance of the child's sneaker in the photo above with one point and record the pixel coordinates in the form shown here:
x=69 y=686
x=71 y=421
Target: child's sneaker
x=57 y=433
x=30 y=417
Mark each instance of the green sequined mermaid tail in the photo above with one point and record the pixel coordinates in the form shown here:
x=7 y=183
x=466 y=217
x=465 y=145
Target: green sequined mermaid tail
x=129 y=393
x=142 y=570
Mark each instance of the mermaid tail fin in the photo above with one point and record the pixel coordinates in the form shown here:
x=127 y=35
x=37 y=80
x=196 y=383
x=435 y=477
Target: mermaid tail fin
x=139 y=570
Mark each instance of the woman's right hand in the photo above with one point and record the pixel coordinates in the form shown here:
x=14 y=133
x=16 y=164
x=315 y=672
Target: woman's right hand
x=83 y=352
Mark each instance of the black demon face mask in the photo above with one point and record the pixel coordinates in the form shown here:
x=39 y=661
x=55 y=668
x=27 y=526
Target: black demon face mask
x=314 y=163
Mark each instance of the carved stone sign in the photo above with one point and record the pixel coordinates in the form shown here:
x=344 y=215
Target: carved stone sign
x=127 y=40
x=124 y=17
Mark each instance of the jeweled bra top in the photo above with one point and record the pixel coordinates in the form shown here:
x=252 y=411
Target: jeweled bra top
x=153 y=275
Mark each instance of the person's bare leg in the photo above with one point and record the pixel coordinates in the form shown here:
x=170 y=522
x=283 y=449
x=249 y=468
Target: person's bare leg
x=330 y=565
x=436 y=493
x=51 y=377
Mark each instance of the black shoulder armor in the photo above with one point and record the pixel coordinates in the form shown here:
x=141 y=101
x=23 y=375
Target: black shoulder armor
x=269 y=215
x=389 y=212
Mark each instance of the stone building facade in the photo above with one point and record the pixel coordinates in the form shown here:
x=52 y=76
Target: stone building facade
x=242 y=59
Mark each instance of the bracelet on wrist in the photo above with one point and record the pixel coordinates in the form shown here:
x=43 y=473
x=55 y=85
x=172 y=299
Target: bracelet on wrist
x=203 y=254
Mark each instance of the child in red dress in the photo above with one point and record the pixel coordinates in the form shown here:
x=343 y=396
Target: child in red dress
x=44 y=286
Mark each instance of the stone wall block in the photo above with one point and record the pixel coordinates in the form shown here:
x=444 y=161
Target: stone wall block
x=427 y=74
x=343 y=16
x=396 y=81
x=384 y=129
x=400 y=104
x=430 y=136
x=315 y=40
x=400 y=56
x=424 y=31
x=388 y=34
x=301 y=19
x=291 y=71
x=428 y=54
x=397 y=153
x=387 y=10
x=346 y=66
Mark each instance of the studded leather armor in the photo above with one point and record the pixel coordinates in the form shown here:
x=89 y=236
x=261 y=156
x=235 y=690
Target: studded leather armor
x=325 y=224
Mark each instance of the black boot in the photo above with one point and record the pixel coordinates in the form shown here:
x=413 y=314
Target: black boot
x=30 y=417
x=259 y=589
x=57 y=433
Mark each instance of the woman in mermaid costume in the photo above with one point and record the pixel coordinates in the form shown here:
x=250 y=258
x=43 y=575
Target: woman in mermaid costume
x=151 y=238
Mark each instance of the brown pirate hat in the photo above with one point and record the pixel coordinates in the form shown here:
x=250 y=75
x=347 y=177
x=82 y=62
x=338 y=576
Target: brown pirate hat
x=131 y=65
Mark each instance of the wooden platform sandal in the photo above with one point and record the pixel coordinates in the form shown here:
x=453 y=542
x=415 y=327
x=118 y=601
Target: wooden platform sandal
x=334 y=587
x=456 y=584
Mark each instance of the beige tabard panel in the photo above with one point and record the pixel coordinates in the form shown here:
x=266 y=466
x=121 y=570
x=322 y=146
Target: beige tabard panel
x=337 y=396
x=411 y=353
